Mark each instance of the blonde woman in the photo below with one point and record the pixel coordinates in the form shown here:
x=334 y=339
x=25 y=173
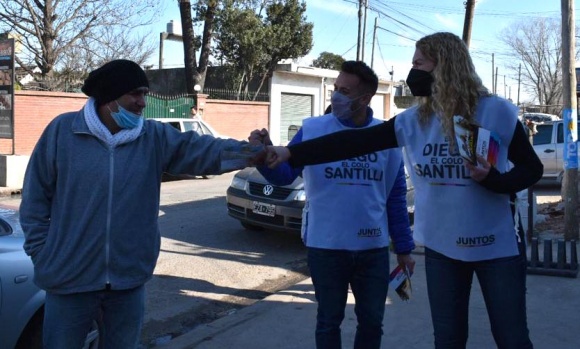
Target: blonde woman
x=464 y=212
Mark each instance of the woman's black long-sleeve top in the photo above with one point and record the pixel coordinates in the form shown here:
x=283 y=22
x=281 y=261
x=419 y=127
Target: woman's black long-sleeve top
x=527 y=169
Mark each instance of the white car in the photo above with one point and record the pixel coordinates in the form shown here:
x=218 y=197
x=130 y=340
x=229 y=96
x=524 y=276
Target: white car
x=540 y=118
x=184 y=125
x=191 y=124
x=259 y=205
x=21 y=301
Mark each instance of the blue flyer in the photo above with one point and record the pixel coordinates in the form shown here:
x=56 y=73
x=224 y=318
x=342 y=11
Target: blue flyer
x=570 y=139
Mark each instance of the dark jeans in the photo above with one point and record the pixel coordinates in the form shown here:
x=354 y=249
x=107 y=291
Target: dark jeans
x=68 y=318
x=367 y=273
x=503 y=284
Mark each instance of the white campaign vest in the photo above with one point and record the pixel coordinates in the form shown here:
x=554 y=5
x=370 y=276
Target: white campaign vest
x=454 y=215
x=346 y=200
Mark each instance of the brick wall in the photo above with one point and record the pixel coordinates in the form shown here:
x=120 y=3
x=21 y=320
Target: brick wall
x=35 y=109
x=236 y=119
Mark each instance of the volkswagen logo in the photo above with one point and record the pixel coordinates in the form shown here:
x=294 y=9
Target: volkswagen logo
x=268 y=190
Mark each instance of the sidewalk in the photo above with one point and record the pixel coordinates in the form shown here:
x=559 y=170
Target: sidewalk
x=287 y=319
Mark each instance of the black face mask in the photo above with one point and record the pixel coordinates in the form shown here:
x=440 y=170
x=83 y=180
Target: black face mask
x=419 y=81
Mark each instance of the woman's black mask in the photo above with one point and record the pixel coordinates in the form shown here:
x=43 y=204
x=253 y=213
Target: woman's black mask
x=419 y=81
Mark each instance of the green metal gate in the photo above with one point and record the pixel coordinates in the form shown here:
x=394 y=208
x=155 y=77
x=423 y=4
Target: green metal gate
x=168 y=106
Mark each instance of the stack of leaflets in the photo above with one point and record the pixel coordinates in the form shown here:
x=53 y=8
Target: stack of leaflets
x=400 y=281
x=473 y=141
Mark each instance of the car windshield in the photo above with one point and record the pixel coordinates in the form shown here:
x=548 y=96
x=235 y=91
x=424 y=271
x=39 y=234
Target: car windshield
x=5 y=228
x=197 y=127
x=206 y=131
x=175 y=125
x=9 y=222
x=191 y=126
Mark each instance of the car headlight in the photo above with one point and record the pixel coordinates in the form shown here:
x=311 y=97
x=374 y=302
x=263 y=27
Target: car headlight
x=238 y=183
x=300 y=196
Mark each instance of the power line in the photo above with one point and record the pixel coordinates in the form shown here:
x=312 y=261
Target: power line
x=404 y=25
x=347 y=51
x=397 y=34
x=422 y=7
x=409 y=17
x=382 y=58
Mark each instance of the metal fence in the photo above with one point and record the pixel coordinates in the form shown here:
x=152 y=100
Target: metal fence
x=232 y=95
x=179 y=106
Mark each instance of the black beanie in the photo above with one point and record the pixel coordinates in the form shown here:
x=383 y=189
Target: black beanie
x=113 y=80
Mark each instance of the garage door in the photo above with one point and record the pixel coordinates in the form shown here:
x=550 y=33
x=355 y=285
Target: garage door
x=295 y=108
x=378 y=106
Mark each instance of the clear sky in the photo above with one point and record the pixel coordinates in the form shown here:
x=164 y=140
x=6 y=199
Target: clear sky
x=400 y=23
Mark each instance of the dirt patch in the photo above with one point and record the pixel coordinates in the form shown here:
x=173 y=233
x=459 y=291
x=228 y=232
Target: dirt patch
x=551 y=219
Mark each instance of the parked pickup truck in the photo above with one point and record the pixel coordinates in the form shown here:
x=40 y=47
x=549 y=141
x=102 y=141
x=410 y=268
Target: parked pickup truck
x=549 y=145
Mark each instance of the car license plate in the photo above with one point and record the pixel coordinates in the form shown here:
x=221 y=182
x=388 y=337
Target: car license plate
x=264 y=209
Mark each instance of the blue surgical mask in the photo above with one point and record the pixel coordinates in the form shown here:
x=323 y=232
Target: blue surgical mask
x=125 y=118
x=342 y=106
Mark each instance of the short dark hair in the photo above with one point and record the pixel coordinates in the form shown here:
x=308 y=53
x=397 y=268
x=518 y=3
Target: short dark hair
x=367 y=76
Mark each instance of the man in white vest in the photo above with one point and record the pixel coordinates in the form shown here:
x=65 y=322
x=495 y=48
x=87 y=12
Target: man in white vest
x=354 y=209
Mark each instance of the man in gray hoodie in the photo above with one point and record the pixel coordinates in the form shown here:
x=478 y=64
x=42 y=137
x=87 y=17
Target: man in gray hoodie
x=90 y=205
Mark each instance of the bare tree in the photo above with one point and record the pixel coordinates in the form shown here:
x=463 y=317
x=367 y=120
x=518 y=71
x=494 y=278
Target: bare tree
x=208 y=29
x=51 y=31
x=536 y=43
x=191 y=76
x=205 y=10
x=92 y=52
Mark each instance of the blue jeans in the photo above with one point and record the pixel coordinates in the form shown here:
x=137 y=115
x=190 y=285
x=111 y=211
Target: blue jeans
x=367 y=273
x=503 y=284
x=68 y=318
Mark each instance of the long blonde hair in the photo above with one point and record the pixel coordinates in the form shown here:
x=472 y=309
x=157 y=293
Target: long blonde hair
x=456 y=87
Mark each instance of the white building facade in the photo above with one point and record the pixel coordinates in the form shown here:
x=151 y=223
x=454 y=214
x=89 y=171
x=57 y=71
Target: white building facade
x=300 y=92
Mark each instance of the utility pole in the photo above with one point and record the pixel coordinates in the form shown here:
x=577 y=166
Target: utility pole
x=570 y=113
x=373 y=49
x=531 y=201
x=358 y=43
x=519 y=82
x=495 y=83
x=364 y=32
x=469 y=6
x=492 y=72
x=504 y=88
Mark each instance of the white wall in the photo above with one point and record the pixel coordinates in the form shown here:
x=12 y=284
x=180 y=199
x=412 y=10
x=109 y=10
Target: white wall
x=378 y=106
